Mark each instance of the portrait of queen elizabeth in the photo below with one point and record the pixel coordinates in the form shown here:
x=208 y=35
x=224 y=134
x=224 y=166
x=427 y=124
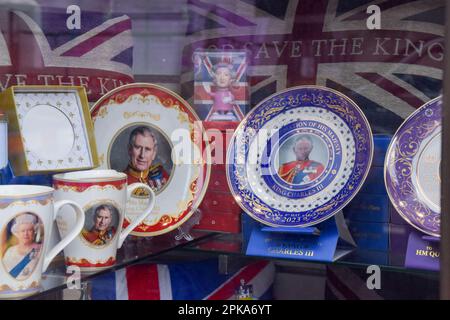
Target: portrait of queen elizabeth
x=22 y=256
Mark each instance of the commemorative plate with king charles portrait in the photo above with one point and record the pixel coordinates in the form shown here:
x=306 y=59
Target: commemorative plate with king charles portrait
x=412 y=168
x=154 y=136
x=299 y=156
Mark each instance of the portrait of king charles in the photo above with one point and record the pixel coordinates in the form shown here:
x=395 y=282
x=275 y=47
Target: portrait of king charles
x=302 y=170
x=142 y=152
x=103 y=229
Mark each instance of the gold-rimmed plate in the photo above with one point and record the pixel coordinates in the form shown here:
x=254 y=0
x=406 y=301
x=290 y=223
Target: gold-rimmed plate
x=299 y=156
x=154 y=136
x=412 y=168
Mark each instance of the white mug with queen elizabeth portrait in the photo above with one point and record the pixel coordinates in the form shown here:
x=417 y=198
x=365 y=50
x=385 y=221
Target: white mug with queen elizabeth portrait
x=104 y=196
x=27 y=214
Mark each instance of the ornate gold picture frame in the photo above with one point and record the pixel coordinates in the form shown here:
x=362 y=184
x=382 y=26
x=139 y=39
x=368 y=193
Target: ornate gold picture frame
x=50 y=129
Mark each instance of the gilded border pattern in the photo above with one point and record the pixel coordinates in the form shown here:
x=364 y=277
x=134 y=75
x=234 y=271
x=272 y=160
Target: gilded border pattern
x=86 y=263
x=83 y=187
x=399 y=167
x=14 y=203
x=33 y=285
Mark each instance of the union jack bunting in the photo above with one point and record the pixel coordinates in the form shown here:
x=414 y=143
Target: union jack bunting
x=388 y=72
x=198 y=280
x=37 y=47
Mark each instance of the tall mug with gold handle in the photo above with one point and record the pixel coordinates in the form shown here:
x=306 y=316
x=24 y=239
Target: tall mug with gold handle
x=103 y=195
x=27 y=214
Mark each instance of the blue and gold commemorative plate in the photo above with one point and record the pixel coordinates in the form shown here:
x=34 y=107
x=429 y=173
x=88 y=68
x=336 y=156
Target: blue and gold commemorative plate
x=412 y=168
x=299 y=156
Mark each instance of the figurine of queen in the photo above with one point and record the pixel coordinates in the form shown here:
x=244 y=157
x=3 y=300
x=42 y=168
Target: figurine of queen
x=224 y=106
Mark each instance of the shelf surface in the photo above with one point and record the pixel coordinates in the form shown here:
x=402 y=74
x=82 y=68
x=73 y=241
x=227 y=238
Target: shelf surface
x=165 y=249
x=138 y=249
x=392 y=259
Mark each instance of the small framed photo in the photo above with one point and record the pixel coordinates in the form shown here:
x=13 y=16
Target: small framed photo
x=50 y=129
x=221 y=90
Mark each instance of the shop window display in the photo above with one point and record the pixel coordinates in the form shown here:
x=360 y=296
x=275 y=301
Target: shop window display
x=275 y=125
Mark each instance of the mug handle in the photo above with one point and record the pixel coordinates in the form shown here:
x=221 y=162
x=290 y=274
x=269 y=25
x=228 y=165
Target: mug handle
x=142 y=216
x=70 y=236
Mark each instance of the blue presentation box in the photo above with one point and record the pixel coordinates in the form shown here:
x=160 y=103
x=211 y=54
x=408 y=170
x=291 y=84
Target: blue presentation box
x=372 y=204
x=369 y=257
x=370 y=236
x=317 y=243
x=374 y=183
x=366 y=207
x=423 y=252
x=248 y=224
x=273 y=243
x=380 y=146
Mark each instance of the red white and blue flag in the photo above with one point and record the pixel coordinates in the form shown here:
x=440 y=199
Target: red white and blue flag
x=183 y=281
x=388 y=72
x=37 y=47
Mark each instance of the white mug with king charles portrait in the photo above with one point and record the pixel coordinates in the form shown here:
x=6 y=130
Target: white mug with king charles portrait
x=103 y=195
x=27 y=214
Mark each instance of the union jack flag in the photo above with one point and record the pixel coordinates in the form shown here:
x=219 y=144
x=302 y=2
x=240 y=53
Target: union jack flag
x=388 y=72
x=37 y=47
x=198 y=280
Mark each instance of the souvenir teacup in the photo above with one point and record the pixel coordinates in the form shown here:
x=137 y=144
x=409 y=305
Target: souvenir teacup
x=27 y=214
x=103 y=195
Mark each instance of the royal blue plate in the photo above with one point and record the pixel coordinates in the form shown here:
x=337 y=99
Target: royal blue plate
x=299 y=156
x=412 y=168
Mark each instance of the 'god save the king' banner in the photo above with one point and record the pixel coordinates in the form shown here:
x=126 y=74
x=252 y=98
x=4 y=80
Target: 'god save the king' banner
x=38 y=48
x=388 y=72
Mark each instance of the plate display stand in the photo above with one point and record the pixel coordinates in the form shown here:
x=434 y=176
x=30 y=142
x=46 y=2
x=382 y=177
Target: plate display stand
x=422 y=252
x=184 y=231
x=327 y=241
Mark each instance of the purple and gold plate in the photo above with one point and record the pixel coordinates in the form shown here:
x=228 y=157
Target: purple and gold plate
x=412 y=168
x=299 y=156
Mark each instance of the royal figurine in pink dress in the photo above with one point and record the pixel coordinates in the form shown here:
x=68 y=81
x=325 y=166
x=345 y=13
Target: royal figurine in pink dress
x=224 y=106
